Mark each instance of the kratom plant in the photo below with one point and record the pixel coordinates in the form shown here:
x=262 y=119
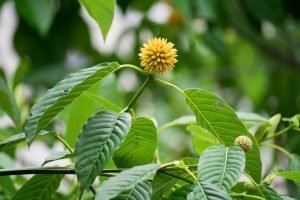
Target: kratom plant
x=228 y=143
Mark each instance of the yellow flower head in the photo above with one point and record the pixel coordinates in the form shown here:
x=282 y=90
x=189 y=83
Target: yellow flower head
x=158 y=56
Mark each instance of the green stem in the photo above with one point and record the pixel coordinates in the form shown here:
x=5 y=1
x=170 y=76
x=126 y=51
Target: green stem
x=139 y=92
x=274 y=146
x=165 y=83
x=134 y=67
x=278 y=133
x=64 y=143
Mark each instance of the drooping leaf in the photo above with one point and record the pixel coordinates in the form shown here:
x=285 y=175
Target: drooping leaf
x=62 y=94
x=99 y=138
x=38 y=14
x=16 y=139
x=102 y=11
x=141 y=191
x=291 y=175
x=213 y=114
x=88 y=103
x=125 y=181
x=206 y=190
x=221 y=166
x=202 y=139
x=139 y=145
x=58 y=155
x=39 y=187
x=181 y=193
x=8 y=102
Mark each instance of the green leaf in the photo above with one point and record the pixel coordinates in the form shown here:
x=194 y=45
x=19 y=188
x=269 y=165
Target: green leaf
x=139 y=145
x=291 y=175
x=181 y=121
x=12 y=141
x=252 y=118
x=141 y=191
x=8 y=102
x=62 y=94
x=205 y=190
x=124 y=181
x=181 y=193
x=221 y=166
x=38 y=14
x=102 y=11
x=39 y=187
x=16 y=139
x=202 y=139
x=57 y=156
x=213 y=114
x=99 y=138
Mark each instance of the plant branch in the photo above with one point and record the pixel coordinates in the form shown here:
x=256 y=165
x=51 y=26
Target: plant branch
x=64 y=143
x=49 y=170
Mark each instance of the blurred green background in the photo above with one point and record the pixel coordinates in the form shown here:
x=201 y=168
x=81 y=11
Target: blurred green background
x=247 y=51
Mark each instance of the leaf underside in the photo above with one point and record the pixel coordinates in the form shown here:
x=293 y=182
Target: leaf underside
x=221 y=166
x=99 y=138
x=125 y=181
x=141 y=191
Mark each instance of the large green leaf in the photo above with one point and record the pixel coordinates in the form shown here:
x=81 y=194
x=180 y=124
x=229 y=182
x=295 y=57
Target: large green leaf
x=62 y=94
x=207 y=191
x=139 y=145
x=102 y=11
x=125 y=181
x=141 y=191
x=98 y=140
x=291 y=175
x=221 y=166
x=213 y=114
x=8 y=102
x=202 y=139
x=39 y=187
x=38 y=14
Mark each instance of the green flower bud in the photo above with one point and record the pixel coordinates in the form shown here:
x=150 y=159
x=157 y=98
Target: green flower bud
x=244 y=142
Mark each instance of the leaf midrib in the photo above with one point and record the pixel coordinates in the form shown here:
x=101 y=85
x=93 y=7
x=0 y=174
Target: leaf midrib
x=206 y=120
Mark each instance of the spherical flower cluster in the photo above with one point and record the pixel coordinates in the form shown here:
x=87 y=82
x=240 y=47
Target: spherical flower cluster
x=158 y=56
x=244 y=142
